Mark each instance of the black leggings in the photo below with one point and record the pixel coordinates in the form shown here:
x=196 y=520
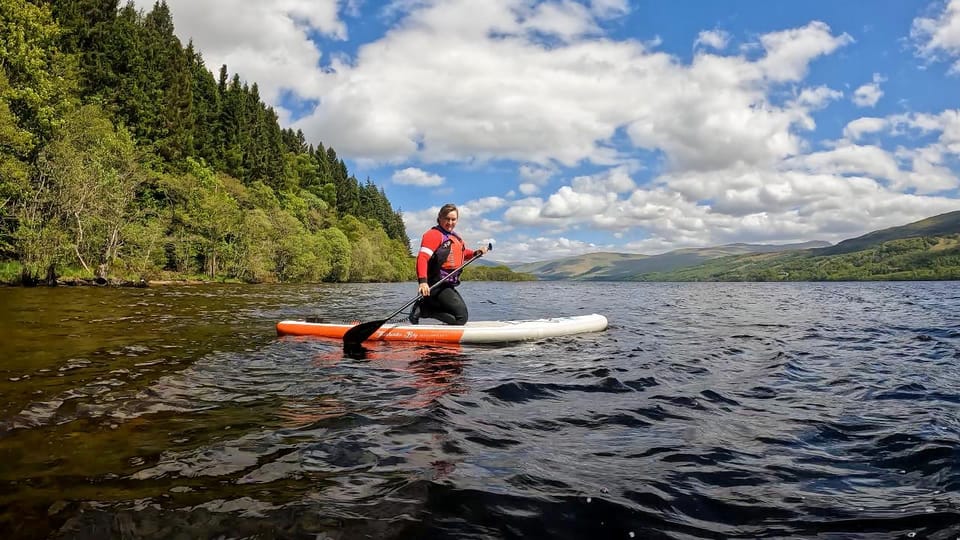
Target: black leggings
x=446 y=305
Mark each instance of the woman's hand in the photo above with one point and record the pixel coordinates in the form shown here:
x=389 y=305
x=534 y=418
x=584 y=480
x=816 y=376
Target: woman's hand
x=424 y=289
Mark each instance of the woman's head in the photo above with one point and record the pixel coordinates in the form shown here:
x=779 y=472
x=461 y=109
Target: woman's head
x=447 y=216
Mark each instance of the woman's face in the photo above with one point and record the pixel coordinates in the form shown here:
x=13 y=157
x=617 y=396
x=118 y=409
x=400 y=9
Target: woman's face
x=449 y=221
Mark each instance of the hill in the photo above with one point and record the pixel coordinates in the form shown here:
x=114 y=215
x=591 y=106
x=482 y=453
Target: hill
x=604 y=266
x=943 y=224
x=924 y=250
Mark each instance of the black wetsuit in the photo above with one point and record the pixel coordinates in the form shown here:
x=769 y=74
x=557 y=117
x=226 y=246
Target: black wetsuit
x=444 y=304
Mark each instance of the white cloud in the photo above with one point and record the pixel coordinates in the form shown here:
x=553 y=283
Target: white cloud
x=789 y=52
x=566 y=20
x=939 y=36
x=716 y=39
x=856 y=129
x=615 y=180
x=546 y=248
x=817 y=98
x=869 y=94
x=481 y=89
x=607 y=9
x=536 y=175
x=482 y=205
x=869 y=161
x=528 y=188
x=412 y=176
x=567 y=203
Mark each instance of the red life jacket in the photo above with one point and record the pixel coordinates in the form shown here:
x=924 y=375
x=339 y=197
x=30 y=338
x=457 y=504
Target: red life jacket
x=446 y=258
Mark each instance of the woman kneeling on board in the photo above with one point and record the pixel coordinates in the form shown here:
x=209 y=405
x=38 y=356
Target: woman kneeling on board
x=441 y=252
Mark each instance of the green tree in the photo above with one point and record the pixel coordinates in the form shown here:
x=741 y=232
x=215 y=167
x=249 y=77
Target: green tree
x=335 y=248
x=15 y=147
x=255 y=250
x=206 y=110
x=94 y=176
x=88 y=26
x=214 y=216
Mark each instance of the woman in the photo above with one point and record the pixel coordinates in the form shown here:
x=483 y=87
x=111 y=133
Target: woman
x=441 y=252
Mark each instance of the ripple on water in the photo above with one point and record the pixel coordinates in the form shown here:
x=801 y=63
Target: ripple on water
x=716 y=411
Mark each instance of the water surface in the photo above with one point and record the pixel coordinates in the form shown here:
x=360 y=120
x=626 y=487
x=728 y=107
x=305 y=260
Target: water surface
x=705 y=411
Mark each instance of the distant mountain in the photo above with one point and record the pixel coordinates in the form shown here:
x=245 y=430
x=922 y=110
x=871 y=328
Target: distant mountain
x=926 y=249
x=604 y=266
x=923 y=250
x=489 y=262
x=942 y=224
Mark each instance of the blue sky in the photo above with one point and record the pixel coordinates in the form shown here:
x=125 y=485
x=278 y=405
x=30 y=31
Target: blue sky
x=565 y=127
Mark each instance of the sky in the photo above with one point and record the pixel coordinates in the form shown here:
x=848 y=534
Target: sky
x=563 y=127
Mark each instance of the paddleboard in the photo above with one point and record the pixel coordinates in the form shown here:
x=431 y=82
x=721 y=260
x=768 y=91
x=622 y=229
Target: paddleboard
x=472 y=332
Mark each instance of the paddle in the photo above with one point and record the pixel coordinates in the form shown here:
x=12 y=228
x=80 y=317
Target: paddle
x=361 y=332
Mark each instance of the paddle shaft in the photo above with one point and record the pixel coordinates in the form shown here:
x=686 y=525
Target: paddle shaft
x=362 y=331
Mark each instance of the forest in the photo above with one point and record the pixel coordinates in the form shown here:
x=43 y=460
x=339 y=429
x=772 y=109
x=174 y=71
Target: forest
x=123 y=158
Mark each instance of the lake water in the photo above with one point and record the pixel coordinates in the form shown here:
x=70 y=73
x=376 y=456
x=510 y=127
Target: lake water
x=800 y=410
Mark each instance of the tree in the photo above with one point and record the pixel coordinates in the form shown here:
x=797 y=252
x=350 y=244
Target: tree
x=42 y=80
x=15 y=147
x=87 y=29
x=214 y=216
x=94 y=176
x=206 y=110
x=335 y=248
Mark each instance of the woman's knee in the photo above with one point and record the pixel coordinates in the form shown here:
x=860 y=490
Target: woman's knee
x=455 y=306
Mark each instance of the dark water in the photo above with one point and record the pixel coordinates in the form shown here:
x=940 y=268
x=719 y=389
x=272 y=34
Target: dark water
x=705 y=411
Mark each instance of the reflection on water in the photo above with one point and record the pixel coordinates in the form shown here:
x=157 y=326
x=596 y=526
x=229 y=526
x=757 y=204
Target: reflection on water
x=705 y=411
x=427 y=372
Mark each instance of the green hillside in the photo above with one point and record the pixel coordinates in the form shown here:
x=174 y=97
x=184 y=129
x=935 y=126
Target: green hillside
x=124 y=158
x=622 y=266
x=943 y=224
x=924 y=250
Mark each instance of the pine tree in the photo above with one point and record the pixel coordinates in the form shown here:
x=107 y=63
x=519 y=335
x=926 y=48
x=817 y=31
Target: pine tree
x=88 y=26
x=206 y=110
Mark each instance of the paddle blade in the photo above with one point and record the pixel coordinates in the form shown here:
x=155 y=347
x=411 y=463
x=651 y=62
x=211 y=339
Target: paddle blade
x=361 y=332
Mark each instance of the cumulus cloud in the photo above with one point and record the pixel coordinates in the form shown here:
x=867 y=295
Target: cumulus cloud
x=856 y=129
x=534 y=178
x=817 y=98
x=789 y=52
x=566 y=20
x=535 y=174
x=412 y=176
x=939 y=36
x=483 y=89
x=716 y=39
x=607 y=9
x=869 y=94
x=868 y=161
x=615 y=180
x=543 y=248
